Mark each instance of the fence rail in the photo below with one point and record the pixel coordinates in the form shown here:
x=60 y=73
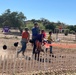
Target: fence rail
x=11 y=65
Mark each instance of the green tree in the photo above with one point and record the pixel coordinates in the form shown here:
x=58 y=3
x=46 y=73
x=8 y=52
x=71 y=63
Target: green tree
x=71 y=27
x=50 y=26
x=12 y=19
x=33 y=20
x=75 y=31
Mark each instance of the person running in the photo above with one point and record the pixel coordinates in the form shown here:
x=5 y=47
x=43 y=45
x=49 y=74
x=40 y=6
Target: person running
x=35 y=32
x=24 y=41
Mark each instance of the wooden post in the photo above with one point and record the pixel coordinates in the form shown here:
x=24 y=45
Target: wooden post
x=14 y=62
x=44 y=62
x=27 y=64
x=0 y=61
x=3 y=66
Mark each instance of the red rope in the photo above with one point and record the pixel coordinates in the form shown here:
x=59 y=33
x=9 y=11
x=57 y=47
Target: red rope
x=60 y=45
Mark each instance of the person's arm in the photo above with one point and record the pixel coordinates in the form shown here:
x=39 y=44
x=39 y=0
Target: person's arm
x=22 y=34
x=38 y=30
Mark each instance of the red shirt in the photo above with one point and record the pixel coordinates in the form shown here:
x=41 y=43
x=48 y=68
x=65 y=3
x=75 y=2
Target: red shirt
x=25 y=35
x=44 y=35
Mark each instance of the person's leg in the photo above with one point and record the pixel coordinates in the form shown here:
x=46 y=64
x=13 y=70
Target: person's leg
x=22 y=43
x=38 y=54
x=24 y=48
x=19 y=51
x=50 y=49
x=40 y=47
x=46 y=49
x=35 y=55
x=37 y=44
x=37 y=48
x=34 y=47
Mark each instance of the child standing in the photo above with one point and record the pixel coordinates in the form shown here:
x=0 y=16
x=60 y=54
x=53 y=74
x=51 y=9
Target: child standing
x=50 y=40
x=38 y=43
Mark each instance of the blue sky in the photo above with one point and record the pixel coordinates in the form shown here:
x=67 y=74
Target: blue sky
x=53 y=10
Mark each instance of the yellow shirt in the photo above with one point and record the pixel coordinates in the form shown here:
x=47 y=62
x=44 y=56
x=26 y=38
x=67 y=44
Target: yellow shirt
x=49 y=38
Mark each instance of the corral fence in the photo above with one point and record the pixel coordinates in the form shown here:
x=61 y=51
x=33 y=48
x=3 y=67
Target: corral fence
x=12 y=65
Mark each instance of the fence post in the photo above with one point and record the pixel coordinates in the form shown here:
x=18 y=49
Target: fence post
x=3 y=64
x=0 y=61
x=44 y=61
x=38 y=64
x=14 y=63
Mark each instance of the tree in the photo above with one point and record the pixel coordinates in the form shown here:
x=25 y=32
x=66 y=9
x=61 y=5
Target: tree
x=12 y=19
x=33 y=20
x=71 y=27
x=50 y=26
x=75 y=31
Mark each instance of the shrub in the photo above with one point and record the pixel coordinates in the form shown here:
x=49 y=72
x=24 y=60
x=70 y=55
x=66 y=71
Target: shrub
x=66 y=32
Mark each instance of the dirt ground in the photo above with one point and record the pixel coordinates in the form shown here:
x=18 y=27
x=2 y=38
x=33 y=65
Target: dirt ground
x=10 y=39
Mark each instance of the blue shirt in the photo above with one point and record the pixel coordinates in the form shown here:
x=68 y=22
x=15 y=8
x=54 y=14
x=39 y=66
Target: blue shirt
x=35 y=31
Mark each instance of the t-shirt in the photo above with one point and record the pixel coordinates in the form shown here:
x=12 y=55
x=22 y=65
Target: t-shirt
x=44 y=35
x=39 y=37
x=35 y=31
x=49 y=38
x=25 y=35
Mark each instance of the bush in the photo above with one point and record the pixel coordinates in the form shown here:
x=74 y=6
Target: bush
x=72 y=32
x=66 y=32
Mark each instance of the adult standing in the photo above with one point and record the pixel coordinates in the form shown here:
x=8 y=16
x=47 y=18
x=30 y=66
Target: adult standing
x=35 y=32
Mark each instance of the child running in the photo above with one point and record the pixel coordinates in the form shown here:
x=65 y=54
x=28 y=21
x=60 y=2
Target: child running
x=24 y=41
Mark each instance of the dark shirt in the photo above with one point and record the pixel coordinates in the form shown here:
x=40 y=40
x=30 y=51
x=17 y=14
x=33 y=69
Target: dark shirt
x=39 y=37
